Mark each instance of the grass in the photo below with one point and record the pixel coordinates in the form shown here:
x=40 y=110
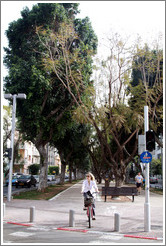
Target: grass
x=154 y=190
x=49 y=192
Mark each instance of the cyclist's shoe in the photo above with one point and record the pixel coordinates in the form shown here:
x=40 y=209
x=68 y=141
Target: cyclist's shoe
x=93 y=218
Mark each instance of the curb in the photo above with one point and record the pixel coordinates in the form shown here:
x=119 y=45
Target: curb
x=22 y=224
x=142 y=237
x=109 y=233
x=91 y=232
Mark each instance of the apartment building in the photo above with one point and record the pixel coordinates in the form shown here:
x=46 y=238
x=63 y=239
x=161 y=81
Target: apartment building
x=29 y=155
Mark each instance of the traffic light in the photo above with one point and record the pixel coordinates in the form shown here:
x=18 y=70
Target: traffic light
x=8 y=153
x=150 y=140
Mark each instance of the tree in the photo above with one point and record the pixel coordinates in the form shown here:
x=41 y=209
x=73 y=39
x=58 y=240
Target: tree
x=33 y=169
x=146 y=86
x=6 y=133
x=53 y=170
x=115 y=124
x=74 y=154
x=156 y=167
x=46 y=112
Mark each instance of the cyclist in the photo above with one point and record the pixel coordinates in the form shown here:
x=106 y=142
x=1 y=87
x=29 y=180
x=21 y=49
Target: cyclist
x=88 y=187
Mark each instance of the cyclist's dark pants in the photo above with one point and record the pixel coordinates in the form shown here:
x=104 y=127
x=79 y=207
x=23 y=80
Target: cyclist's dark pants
x=85 y=197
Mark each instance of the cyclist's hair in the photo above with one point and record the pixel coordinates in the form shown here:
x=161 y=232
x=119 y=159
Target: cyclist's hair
x=91 y=175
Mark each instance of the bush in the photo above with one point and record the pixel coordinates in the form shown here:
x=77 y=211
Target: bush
x=53 y=169
x=34 y=169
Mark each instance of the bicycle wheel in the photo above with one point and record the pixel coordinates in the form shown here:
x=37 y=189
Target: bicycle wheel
x=90 y=214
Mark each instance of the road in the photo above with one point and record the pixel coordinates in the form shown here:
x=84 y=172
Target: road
x=42 y=234
x=21 y=189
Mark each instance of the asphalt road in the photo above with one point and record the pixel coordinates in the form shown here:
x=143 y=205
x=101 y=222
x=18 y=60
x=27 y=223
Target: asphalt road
x=23 y=234
x=17 y=190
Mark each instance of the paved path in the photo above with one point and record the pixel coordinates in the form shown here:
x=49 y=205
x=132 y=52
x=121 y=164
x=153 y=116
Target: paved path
x=55 y=213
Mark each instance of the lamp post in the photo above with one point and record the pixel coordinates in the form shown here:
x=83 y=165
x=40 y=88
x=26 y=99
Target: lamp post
x=10 y=96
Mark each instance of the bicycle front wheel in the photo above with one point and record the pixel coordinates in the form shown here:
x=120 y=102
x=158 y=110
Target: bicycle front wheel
x=90 y=216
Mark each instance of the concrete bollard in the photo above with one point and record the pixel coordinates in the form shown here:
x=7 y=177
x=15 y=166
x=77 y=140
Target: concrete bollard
x=4 y=206
x=116 y=222
x=71 y=218
x=32 y=214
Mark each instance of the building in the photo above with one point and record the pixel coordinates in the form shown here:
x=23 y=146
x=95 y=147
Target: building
x=28 y=155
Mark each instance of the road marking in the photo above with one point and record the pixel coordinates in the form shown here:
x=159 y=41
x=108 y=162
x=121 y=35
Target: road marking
x=22 y=234
x=39 y=228
x=111 y=237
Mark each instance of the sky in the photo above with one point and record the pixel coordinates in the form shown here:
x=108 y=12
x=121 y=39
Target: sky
x=146 y=18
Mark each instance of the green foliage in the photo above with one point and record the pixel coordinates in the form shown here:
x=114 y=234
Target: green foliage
x=34 y=169
x=53 y=169
x=46 y=115
x=156 y=167
x=46 y=99
x=146 y=87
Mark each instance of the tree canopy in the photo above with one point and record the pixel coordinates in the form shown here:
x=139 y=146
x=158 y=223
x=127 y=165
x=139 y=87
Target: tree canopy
x=47 y=111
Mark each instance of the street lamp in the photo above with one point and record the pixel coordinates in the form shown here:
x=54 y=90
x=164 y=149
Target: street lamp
x=10 y=96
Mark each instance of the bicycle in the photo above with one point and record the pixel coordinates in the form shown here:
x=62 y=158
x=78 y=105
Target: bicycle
x=88 y=203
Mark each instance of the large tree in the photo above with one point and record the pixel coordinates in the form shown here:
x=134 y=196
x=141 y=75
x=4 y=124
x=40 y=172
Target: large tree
x=116 y=123
x=47 y=111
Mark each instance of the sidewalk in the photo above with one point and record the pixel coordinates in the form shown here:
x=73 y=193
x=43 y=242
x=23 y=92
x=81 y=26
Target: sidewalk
x=55 y=213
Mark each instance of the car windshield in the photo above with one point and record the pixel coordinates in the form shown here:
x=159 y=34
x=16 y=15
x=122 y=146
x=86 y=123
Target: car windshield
x=25 y=177
x=15 y=177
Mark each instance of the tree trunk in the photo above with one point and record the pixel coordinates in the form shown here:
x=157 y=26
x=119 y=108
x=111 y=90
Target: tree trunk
x=43 y=168
x=75 y=173
x=70 y=174
x=118 y=182
x=62 y=176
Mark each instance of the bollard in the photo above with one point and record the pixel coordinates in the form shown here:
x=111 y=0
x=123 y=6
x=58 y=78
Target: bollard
x=32 y=214
x=116 y=222
x=4 y=205
x=71 y=218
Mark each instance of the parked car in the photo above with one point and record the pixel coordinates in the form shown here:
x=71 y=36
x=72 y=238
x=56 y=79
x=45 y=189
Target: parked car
x=153 y=180
x=53 y=177
x=36 y=177
x=18 y=174
x=66 y=176
x=49 y=178
x=26 y=180
x=14 y=179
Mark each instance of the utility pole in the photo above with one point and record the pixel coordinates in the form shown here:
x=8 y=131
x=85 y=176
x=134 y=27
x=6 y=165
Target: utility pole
x=147 y=225
x=9 y=96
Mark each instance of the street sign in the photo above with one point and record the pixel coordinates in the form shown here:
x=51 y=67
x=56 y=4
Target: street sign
x=146 y=157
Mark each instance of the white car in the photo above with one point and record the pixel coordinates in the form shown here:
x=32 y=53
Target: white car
x=36 y=177
x=49 y=178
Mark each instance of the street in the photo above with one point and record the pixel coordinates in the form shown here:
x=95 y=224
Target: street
x=51 y=220
x=49 y=234
x=22 y=189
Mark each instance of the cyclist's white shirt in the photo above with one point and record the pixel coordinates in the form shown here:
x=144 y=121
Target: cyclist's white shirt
x=92 y=187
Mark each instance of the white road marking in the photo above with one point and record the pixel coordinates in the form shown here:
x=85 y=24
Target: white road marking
x=111 y=237
x=39 y=228
x=22 y=234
